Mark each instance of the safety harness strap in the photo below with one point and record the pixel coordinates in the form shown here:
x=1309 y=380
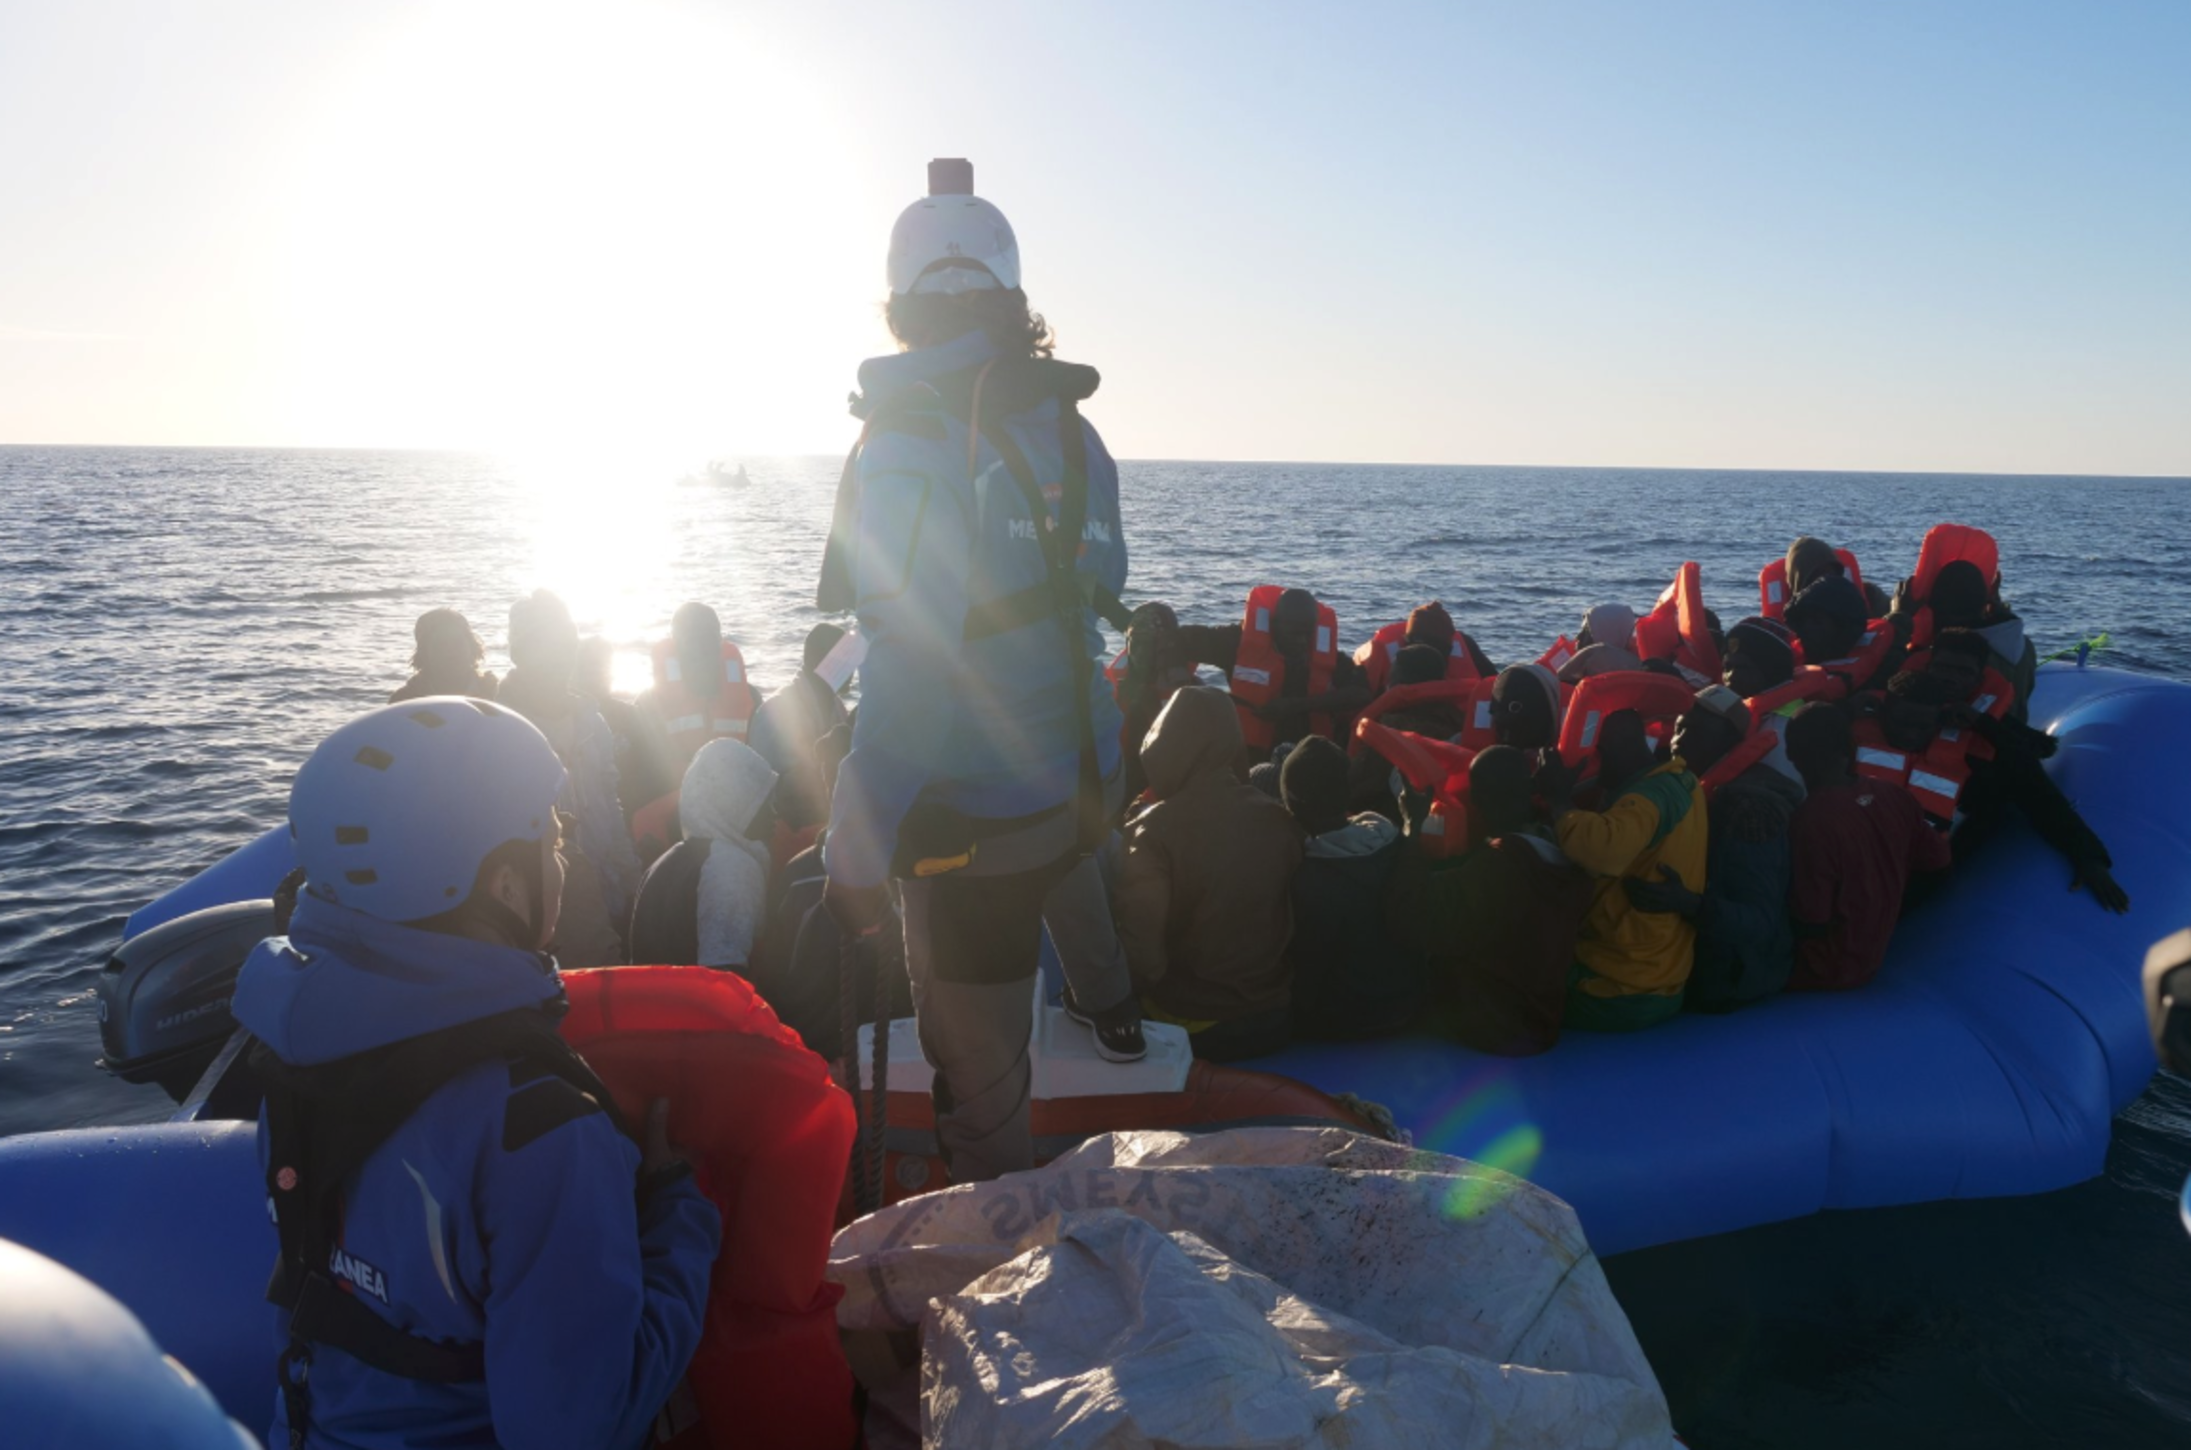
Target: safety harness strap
x=1059 y=540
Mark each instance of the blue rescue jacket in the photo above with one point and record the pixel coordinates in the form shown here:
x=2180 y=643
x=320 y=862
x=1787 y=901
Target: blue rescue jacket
x=982 y=722
x=501 y=1213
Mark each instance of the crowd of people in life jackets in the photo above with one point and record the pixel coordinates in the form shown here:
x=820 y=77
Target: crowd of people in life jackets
x=1663 y=813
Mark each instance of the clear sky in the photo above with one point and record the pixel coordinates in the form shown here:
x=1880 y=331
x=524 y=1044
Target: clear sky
x=1909 y=234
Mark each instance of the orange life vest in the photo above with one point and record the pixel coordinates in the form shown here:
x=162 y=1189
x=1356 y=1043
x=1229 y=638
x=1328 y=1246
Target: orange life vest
x=1259 y=670
x=1947 y=544
x=693 y=722
x=1378 y=653
x=1755 y=747
x=1438 y=768
x=769 y=1369
x=1772 y=583
x=1562 y=650
x=1677 y=628
x=1399 y=697
x=1657 y=698
x=1935 y=775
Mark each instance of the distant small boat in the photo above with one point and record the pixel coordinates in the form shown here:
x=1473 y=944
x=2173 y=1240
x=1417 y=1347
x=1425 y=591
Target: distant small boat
x=718 y=472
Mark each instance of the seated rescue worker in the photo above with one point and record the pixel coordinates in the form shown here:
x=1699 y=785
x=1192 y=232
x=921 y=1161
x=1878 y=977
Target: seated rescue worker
x=1526 y=707
x=552 y=1290
x=640 y=775
x=1963 y=598
x=788 y=728
x=1853 y=845
x=1630 y=965
x=1497 y=927
x=1607 y=641
x=1744 y=948
x=446 y=659
x=1204 y=887
x=602 y=876
x=1350 y=979
x=1315 y=689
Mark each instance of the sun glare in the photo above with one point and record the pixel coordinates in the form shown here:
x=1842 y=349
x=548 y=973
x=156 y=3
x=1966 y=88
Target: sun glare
x=546 y=228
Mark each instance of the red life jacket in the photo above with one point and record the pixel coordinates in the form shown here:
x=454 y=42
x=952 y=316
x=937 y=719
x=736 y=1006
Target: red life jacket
x=1772 y=583
x=769 y=1369
x=1435 y=767
x=1259 y=670
x=1676 y=628
x=1478 y=731
x=1377 y=654
x=1562 y=650
x=1994 y=695
x=1947 y=544
x=1935 y=776
x=1754 y=747
x=1399 y=697
x=1856 y=669
x=693 y=722
x=1657 y=698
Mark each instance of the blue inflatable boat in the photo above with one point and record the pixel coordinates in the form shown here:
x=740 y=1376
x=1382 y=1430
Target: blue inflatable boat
x=1989 y=1058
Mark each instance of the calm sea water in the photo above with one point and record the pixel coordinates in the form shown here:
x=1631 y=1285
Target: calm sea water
x=178 y=627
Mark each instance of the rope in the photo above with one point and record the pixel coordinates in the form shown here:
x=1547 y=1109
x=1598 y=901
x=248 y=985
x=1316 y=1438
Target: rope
x=848 y=1037
x=878 y=1114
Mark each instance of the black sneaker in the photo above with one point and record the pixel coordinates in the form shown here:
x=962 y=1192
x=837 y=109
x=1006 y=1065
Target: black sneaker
x=1117 y=1032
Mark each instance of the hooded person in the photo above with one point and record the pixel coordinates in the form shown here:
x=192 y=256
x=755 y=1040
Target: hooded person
x=1744 y=945
x=789 y=726
x=1630 y=965
x=604 y=869
x=1607 y=642
x=704 y=900
x=1809 y=560
x=1497 y=927
x=1828 y=618
x=1527 y=707
x=1350 y=978
x=1962 y=598
x=1759 y=655
x=1204 y=885
x=1430 y=624
x=445 y=660
x=552 y=1292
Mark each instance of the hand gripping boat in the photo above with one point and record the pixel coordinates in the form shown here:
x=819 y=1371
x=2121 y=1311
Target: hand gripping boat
x=1988 y=1058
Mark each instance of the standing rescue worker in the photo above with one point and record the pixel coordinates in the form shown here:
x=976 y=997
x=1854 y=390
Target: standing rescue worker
x=473 y=1252
x=977 y=533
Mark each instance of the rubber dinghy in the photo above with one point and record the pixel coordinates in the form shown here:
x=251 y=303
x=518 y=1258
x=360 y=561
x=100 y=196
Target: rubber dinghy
x=1989 y=1058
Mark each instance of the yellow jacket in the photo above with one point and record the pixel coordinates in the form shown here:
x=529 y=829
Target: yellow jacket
x=1657 y=821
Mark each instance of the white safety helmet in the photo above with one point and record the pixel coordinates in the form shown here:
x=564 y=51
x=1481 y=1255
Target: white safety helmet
x=952 y=241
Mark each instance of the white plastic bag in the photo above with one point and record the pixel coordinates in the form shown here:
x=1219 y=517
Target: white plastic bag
x=1292 y=1286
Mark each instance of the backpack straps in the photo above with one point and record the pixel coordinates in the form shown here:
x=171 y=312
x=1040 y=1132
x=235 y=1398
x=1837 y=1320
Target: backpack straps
x=1059 y=540
x=323 y=1122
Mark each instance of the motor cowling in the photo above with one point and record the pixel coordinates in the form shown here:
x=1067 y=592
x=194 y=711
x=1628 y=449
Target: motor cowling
x=164 y=994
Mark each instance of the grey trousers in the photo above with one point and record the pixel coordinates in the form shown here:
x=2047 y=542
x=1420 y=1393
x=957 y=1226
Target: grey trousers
x=1078 y=913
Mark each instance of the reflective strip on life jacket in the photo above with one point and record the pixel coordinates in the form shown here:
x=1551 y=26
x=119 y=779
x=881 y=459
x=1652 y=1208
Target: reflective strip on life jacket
x=1259 y=667
x=1556 y=658
x=690 y=722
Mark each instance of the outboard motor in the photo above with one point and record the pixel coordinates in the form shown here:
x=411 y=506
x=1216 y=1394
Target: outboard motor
x=163 y=998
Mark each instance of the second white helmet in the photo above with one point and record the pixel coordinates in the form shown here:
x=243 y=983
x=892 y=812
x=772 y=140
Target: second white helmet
x=952 y=241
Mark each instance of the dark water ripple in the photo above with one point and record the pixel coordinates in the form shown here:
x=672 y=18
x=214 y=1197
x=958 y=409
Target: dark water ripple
x=177 y=628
